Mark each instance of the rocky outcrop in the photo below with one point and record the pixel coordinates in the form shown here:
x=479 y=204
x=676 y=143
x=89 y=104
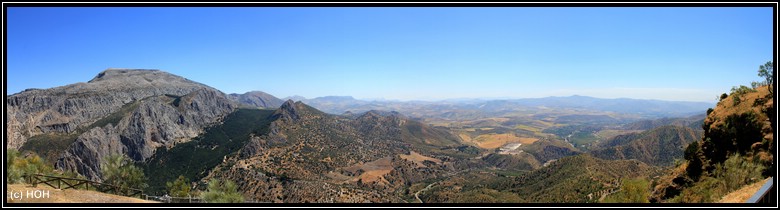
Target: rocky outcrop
x=120 y=111
x=256 y=99
x=155 y=123
x=67 y=108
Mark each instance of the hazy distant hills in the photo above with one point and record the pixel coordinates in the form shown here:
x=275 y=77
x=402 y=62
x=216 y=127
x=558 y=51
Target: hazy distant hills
x=694 y=122
x=256 y=99
x=655 y=108
x=644 y=108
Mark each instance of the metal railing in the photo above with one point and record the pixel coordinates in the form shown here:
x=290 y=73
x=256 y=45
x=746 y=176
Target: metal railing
x=766 y=194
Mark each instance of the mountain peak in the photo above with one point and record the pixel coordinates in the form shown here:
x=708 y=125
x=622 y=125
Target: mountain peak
x=288 y=104
x=256 y=92
x=288 y=110
x=111 y=73
x=257 y=99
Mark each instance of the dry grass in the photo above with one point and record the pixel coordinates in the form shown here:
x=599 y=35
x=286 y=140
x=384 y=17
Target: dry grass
x=492 y=141
x=372 y=171
x=67 y=196
x=374 y=176
x=475 y=129
x=743 y=194
x=465 y=137
x=608 y=134
x=726 y=107
x=489 y=119
x=418 y=159
x=529 y=128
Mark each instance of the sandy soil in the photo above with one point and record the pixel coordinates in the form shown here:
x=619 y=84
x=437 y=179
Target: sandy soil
x=744 y=193
x=419 y=159
x=492 y=141
x=39 y=195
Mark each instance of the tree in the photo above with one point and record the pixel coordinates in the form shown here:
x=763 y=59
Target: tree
x=180 y=187
x=222 y=191
x=17 y=167
x=14 y=175
x=767 y=71
x=118 y=170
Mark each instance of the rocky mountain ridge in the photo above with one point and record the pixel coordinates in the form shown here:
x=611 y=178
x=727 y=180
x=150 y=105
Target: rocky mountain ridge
x=119 y=111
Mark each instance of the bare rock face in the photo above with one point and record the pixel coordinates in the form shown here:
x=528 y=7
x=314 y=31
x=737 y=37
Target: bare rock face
x=125 y=111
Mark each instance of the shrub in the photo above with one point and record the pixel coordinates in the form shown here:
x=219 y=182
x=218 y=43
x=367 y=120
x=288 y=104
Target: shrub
x=17 y=167
x=222 y=191
x=118 y=170
x=632 y=191
x=738 y=171
x=737 y=92
x=707 y=190
x=13 y=174
x=180 y=187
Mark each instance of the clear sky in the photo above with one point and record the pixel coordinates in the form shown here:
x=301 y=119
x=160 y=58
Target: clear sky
x=684 y=54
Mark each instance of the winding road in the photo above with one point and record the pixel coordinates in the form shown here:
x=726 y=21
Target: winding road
x=417 y=194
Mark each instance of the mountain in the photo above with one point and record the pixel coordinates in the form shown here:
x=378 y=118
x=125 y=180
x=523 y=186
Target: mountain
x=575 y=179
x=352 y=159
x=620 y=105
x=571 y=179
x=294 y=98
x=119 y=111
x=659 y=146
x=338 y=104
x=426 y=109
x=194 y=159
x=256 y=99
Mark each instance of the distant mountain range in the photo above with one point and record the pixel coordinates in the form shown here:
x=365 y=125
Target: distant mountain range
x=641 y=107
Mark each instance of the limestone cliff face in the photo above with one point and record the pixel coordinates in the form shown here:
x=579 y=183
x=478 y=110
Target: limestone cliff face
x=125 y=111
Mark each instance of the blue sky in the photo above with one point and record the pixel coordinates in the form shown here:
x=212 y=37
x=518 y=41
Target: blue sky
x=684 y=54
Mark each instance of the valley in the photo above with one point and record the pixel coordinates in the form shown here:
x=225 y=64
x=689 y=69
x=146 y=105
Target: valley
x=340 y=149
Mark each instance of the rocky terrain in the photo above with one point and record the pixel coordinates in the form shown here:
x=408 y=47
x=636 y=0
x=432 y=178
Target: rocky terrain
x=125 y=111
x=367 y=157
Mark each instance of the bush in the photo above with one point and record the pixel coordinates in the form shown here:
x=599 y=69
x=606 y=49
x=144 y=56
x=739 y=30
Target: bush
x=180 y=187
x=737 y=172
x=737 y=92
x=13 y=174
x=733 y=174
x=707 y=190
x=17 y=167
x=736 y=135
x=220 y=191
x=632 y=191
x=694 y=168
x=118 y=170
